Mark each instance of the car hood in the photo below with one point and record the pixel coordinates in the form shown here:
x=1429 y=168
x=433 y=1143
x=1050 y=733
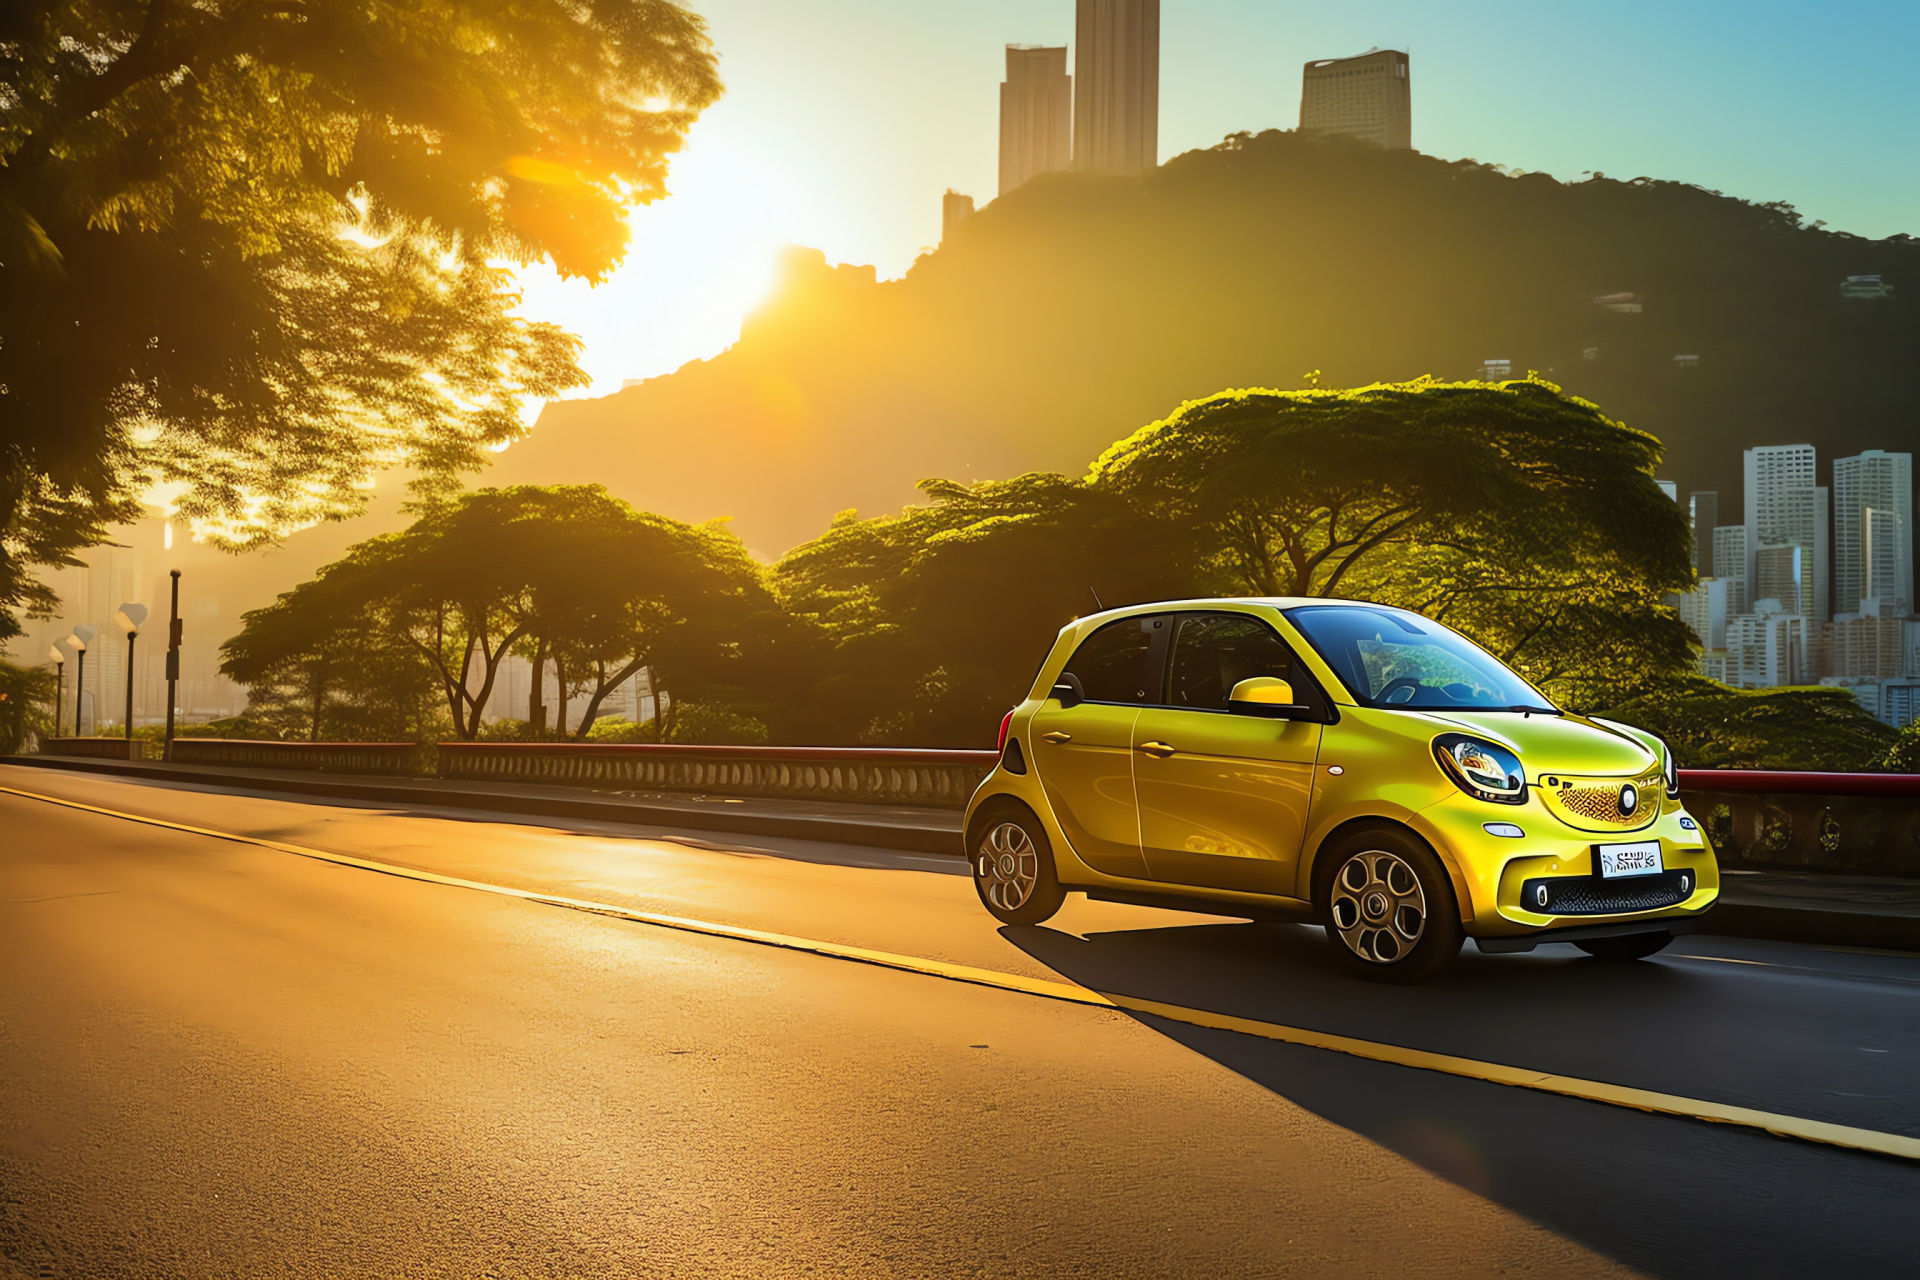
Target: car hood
x=1556 y=744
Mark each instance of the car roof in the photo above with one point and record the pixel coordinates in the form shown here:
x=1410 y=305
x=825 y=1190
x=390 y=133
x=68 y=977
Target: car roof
x=1214 y=602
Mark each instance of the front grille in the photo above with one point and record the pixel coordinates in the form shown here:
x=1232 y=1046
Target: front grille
x=1594 y=803
x=1592 y=896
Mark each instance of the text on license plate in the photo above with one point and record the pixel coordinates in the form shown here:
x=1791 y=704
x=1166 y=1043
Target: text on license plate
x=1620 y=860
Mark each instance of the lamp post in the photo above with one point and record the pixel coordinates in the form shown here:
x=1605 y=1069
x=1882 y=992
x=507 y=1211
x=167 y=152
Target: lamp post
x=173 y=662
x=78 y=643
x=129 y=619
x=59 y=682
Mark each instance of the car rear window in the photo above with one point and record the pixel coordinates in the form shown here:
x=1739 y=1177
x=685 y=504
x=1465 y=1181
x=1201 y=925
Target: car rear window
x=1111 y=664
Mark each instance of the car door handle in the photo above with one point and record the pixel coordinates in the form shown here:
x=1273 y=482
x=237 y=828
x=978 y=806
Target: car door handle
x=1056 y=737
x=1160 y=750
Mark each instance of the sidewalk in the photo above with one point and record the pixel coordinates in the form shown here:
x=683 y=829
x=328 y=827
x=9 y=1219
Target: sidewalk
x=1827 y=910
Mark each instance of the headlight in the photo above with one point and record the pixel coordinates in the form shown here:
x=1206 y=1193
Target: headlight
x=1670 y=767
x=1482 y=770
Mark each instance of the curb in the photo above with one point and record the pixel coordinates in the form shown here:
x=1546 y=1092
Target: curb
x=1811 y=925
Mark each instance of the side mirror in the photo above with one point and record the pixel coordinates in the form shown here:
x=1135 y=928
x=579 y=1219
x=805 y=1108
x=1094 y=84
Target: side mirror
x=1267 y=696
x=1068 y=690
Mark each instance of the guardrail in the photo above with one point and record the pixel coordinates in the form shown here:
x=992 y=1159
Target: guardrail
x=96 y=748
x=1858 y=822
x=325 y=757
x=869 y=775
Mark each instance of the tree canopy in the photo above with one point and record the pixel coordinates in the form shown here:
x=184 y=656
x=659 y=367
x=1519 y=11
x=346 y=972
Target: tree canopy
x=566 y=574
x=255 y=249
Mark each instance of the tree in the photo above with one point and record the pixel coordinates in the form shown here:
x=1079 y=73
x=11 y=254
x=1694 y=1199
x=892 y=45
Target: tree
x=318 y=664
x=255 y=248
x=1523 y=516
x=936 y=618
x=567 y=573
x=1711 y=726
x=26 y=705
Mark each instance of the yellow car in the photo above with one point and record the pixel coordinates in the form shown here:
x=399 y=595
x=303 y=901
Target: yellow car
x=1337 y=762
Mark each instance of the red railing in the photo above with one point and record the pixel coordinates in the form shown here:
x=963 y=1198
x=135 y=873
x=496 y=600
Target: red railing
x=1792 y=782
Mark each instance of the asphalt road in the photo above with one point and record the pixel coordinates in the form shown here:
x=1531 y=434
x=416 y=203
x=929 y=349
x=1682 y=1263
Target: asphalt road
x=221 y=1060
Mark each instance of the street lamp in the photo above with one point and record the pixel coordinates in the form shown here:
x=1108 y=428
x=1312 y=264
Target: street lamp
x=78 y=643
x=59 y=682
x=129 y=619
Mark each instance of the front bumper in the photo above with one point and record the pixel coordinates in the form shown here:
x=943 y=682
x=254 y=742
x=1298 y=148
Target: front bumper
x=1545 y=879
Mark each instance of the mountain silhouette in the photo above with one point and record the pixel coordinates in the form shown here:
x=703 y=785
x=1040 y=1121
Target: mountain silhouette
x=1083 y=305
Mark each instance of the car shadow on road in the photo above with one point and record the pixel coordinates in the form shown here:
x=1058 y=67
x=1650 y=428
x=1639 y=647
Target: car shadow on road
x=1667 y=1196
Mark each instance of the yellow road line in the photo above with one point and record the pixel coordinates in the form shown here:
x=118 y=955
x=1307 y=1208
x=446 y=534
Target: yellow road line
x=1785 y=1126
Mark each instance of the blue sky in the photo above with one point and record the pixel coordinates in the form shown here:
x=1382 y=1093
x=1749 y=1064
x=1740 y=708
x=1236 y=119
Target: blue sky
x=846 y=119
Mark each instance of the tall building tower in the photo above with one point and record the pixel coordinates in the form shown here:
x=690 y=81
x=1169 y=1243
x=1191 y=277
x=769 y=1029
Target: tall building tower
x=1036 y=114
x=1703 y=514
x=1730 y=565
x=1786 y=509
x=1873 y=532
x=1367 y=97
x=954 y=210
x=1116 y=84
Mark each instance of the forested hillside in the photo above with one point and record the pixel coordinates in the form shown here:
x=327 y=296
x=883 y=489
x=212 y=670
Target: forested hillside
x=1082 y=306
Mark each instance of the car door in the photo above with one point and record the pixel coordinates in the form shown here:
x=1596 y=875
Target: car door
x=1084 y=753
x=1223 y=797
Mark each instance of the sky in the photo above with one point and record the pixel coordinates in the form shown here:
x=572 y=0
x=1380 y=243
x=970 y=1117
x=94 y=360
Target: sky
x=845 y=120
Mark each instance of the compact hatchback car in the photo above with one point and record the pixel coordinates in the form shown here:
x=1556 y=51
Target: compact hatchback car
x=1332 y=761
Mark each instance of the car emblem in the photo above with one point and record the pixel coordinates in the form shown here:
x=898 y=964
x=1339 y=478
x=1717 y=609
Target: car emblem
x=1629 y=800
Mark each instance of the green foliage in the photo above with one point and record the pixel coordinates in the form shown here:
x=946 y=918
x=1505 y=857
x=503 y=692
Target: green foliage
x=26 y=705
x=1521 y=516
x=619 y=729
x=1711 y=726
x=426 y=616
x=937 y=617
x=257 y=249
x=1904 y=755
x=714 y=724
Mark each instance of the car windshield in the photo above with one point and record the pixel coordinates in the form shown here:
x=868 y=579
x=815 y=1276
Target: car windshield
x=1390 y=658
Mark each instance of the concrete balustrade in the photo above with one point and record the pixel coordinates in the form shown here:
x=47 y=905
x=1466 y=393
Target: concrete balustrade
x=97 y=748
x=1865 y=823
x=869 y=775
x=327 y=757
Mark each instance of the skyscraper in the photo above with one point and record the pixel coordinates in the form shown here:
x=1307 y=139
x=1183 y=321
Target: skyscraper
x=1703 y=513
x=1786 y=509
x=1116 y=84
x=1366 y=97
x=954 y=210
x=1873 y=531
x=1036 y=114
x=1730 y=564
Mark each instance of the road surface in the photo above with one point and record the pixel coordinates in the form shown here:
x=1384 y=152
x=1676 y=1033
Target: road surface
x=219 y=1059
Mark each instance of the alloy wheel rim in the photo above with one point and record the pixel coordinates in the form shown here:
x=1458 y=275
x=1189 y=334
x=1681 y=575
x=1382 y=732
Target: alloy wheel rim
x=1007 y=866
x=1379 y=909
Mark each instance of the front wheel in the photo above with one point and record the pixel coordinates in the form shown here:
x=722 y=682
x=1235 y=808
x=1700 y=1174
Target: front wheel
x=1634 y=946
x=1389 y=908
x=1013 y=868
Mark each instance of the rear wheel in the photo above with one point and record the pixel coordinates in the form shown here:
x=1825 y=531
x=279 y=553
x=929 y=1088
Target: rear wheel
x=1389 y=908
x=1635 y=946
x=1013 y=867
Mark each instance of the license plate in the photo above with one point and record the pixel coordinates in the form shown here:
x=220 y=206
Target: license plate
x=1621 y=861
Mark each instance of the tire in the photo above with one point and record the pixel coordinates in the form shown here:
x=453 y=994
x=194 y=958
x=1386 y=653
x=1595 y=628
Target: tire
x=1012 y=862
x=1389 y=907
x=1634 y=946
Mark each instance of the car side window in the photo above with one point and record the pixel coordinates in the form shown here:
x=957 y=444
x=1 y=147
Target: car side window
x=1212 y=652
x=1112 y=663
